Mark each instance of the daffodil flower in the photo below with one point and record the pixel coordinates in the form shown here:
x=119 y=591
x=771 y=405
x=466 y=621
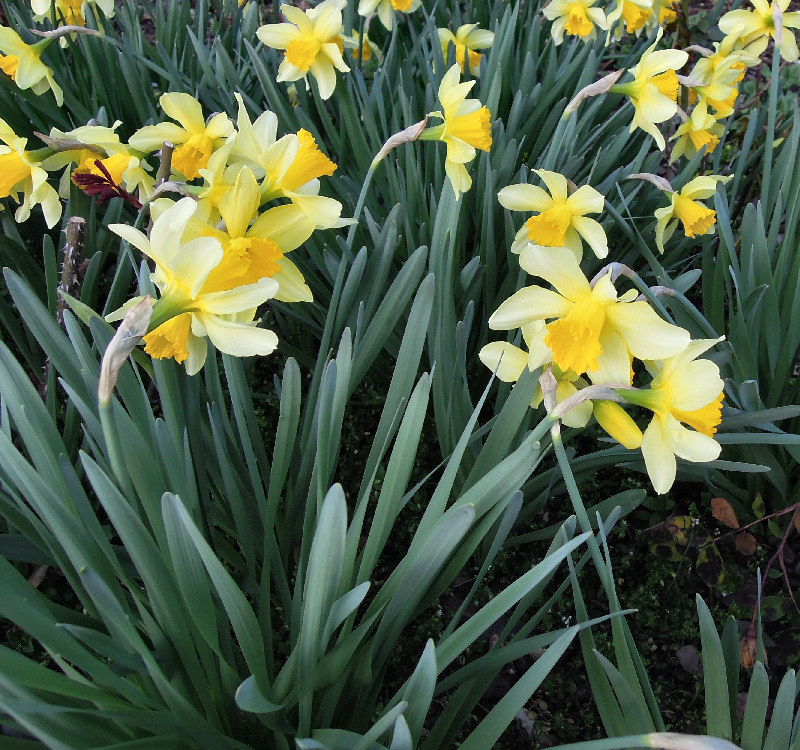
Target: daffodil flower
x=185 y=314
x=252 y=250
x=684 y=391
x=562 y=220
x=634 y=13
x=664 y=11
x=69 y=12
x=654 y=89
x=467 y=126
x=20 y=172
x=758 y=25
x=195 y=139
x=313 y=44
x=575 y=17
x=684 y=207
x=23 y=63
x=700 y=129
x=386 y=9
x=586 y=321
x=717 y=82
x=467 y=39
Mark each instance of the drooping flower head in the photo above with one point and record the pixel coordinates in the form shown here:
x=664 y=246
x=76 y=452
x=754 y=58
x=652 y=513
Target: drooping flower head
x=386 y=9
x=562 y=220
x=313 y=43
x=684 y=391
x=466 y=40
x=185 y=314
x=23 y=64
x=20 y=172
x=194 y=138
x=467 y=126
x=684 y=207
x=700 y=130
x=654 y=88
x=574 y=17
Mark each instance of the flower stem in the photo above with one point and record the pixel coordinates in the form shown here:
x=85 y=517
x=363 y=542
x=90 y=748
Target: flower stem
x=771 y=112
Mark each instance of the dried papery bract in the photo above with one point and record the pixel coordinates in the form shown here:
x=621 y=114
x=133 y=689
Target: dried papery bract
x=408 y=135
x=597 y=88
x=130 y=332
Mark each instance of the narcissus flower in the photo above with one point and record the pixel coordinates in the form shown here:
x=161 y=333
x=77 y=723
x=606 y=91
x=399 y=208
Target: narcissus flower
x=684 y=207
x=194 y=138
x=313 y=44
x=185 y=314
x=654 y=88
x=70 y=12
x=634 y=13
x=20 y=173
x=467 y=126
x=386 y=9
x=664 y=11
x=586 y=321
x=757 y=26
x=684 y=391
x=562 y=220
x=700 y=129
x=23 y=63
x=574 y=17
x=467 y=39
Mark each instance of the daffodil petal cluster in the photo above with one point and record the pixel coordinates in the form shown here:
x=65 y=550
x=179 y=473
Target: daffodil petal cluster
x=20 y=172
x=561 y=219
x=467 y=126
x=188 y=311
x=756 y=27
x=313 y=43
x=576 y=18
x=23 y=64
x=69 y=12
x=386 y=9
x=467 y=39
x=685 y=207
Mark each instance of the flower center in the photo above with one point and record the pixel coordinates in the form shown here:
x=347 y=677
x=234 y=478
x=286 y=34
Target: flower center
x=302 y=52
x=578 y=22
x=8 y=64
x=696 y=218
x=171 y=339
x=704 y=419
x=549 y=228
x=245 y=261
x=308 y=164
x=635 y=16
x=13 y=170
x=575 y=338
x=192 y=156
x=402 y=5
x=474 y=128
x=667 y=84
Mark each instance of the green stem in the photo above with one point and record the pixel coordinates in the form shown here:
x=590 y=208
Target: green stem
x=771 y=112
x=360 y=205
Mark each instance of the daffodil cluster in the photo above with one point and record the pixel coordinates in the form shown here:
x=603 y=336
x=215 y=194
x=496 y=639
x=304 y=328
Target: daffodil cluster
x=589 y=334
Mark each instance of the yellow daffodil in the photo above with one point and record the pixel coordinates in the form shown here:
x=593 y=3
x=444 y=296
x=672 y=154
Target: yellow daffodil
x=757 y=26
x=364 y=46
x=684 y=207
x=716 y=82
x=185 y=314
x=386 y=9
x=664 y=12
x=700 y=129
x=313 y=44
x=634 y=14
x=254 y=246
x=574 y=17
x=562 y=220
x=23 y=64
x=654 y=89
x=467 y=39
x=289 y=167
x=70 y=12
x=194 y=138
x=467 y=126
x=20 y=172
x=587 y=322
x=684 y=391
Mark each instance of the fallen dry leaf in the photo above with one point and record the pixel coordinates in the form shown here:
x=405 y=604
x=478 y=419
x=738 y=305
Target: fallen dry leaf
x=721 y=510
x=745 y=543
